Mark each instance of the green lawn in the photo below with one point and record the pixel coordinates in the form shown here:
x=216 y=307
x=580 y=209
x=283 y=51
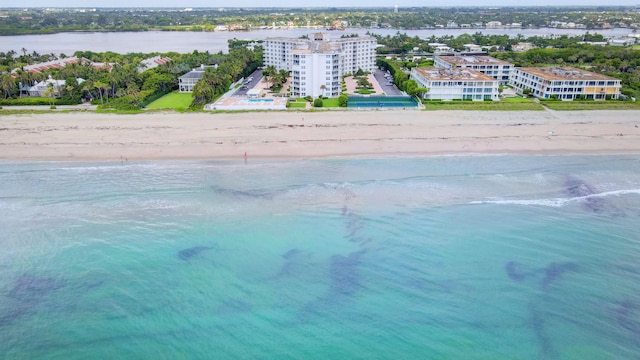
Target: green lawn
x=591 y=105
x=482 y=105
x=518 y=99
x=297 y=105
x=174 y=100
x=330 y=103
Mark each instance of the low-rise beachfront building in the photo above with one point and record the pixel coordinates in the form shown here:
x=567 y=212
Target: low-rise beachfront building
x=152 y=62
x=440 y=48
x=53 y=64
x=485 y=64
x=455 y=84
x=49 y=87
x=188 y=81
x=564 y=83
x=317 y=63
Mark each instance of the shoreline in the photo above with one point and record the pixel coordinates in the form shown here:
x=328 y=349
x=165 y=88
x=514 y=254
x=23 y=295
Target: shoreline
x=300 y=135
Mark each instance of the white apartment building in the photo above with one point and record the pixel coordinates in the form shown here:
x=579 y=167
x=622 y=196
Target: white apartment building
x=456 y=84
x=564 y=83
x=317 y=64
x=485 y=64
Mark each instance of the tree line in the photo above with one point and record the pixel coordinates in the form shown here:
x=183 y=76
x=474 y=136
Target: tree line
x=119 y=81
x=41 y=21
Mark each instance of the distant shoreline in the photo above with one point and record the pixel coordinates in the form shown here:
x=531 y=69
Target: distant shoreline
x=86 y=136
x=315 y=28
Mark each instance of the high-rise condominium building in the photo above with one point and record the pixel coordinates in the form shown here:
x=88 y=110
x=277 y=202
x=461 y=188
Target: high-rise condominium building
x=317 y=63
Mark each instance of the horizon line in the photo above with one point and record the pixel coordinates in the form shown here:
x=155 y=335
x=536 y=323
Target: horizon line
x=324 y=7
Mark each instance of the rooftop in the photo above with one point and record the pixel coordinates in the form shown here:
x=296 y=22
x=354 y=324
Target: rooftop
x=194 y=74
x=452 y=74
x=472 y=60
x=59 y=63
x=152 y=62
x=319 y=42
x=564 y=73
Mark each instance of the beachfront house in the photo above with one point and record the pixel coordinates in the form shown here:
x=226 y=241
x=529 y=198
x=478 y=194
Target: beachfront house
x=188 y=81
x=455 y=84
x=318 y=63
x=485 y=64
x=49 y=87
x=564 y=83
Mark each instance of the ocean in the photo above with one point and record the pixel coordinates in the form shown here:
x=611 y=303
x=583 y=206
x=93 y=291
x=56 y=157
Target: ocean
x=453 y=257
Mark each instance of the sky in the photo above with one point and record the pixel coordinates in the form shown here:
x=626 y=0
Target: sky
x=298 y=3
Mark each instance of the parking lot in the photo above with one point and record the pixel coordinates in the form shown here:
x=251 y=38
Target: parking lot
x=386 y=83
x=250 y=82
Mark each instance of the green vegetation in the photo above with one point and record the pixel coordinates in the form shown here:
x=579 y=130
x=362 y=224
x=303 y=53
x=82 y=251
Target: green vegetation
x=592 y=105
x=342 y=100
x=297 y=104
x=276 y=78
x=173 y=100
x=331 y=103
x=318 y=102
x=483 y=105
x=42 y=21
x=34 y=101
x=119 y=82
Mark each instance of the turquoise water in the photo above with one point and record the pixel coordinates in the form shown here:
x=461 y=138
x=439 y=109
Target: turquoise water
x=259 y=100
x=494 y=257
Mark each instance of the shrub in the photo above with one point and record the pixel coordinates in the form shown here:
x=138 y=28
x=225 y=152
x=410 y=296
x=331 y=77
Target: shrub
x=36 y=101
x=308 y=98
x=52 y=107
x=342 y=100
x=317 y=102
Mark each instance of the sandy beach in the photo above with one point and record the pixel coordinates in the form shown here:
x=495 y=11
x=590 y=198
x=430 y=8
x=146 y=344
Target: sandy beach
x=296 y=135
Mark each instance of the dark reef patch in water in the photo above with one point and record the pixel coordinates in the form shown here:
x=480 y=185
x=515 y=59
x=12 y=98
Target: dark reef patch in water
x=343 y=272
x=628 y=316
x=27 y=292
x=554 y=271
x=30 y=288
x=580 y=189
x=187 y=254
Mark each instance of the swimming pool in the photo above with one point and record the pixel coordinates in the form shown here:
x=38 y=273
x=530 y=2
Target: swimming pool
x=259 y=100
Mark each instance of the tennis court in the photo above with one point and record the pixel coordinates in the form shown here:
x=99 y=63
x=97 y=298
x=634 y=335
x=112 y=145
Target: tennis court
x=381 y=102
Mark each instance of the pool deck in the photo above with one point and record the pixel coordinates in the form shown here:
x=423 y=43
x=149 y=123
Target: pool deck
x=265 y=100
x=237 y=103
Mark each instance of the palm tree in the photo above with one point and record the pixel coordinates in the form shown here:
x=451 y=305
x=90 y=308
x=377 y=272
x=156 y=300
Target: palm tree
x=323 y=87
x=268 y=73
x=50 y=92
x=7 y=84
x=284 y=75
x=100 y=86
